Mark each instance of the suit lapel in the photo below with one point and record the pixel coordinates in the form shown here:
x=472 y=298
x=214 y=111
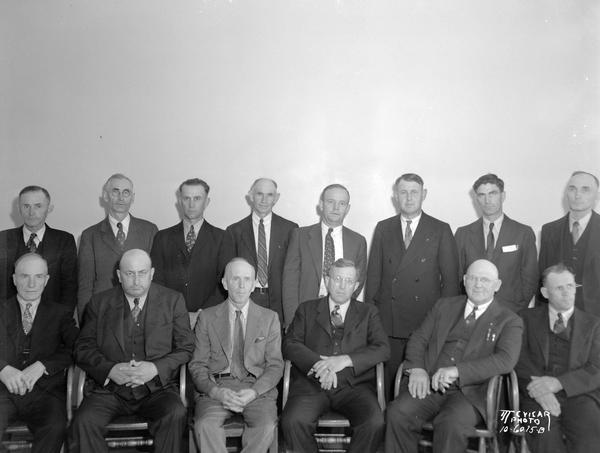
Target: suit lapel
x=315 y=245
x=252 y=327
x=178 y=241
x=476 y=237
x=352 y=317
x=421 y=238
x=202 y=239
x=108 y=237
x=447 y=322
x=276 y=238
x=484 y=325
x=594 y=241
x=12 y=319
x=579 y=324
x=323 y=316
x=222 y=327
x=114 y=318
x=507 y=233
x=248 y=238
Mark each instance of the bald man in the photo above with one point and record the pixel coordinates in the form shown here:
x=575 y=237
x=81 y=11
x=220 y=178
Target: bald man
x=463 y=342
x=36 y=343
x=134 y=338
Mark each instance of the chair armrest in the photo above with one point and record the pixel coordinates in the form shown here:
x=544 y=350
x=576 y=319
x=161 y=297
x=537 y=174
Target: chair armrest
x=380 y=385
x=183 y=384
x=493 y=402
x=398 y=379
x=286 y=383
x=70 y=377
x=80 y=382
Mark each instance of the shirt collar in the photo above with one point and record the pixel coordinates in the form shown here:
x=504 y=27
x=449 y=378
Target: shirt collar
x=481 y=308
x=266 y=219
x=233 y=308
x=336 y=230
x=187 y=225
x=343 y=308
x=413 y=222
x=582 y=222
x=34 y=306
x=39 y=234
x=553 y=315
x=497 y=223
x=125 y=223
x=142 y=301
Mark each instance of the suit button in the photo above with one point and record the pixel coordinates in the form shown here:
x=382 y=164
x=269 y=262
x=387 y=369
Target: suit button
x=394 y=280
x=416 y=297
x=416 y=279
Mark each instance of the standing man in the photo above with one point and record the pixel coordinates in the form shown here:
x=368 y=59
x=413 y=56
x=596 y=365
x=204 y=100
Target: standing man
x=575 y=240
x=189 y=257
x=314 y=248
x=463 y=342
x=36 y=343
x=559 y=369
x=334 y=344
x=103 y=244
x=236 y=365
x=56 y=246
x=508 y=244
x=133 y=340
x=413 y=263
x=262 y=239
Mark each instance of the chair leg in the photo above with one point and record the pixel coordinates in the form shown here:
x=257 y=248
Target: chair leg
x=274 y=448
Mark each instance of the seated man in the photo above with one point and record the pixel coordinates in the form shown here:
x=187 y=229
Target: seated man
x=559 y=369
x=334 y=343
x=133 y=340
x=236 y=365
x=36 y=342
x=463 y=342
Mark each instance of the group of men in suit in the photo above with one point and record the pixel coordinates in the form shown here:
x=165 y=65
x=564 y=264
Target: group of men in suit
x=414 y=262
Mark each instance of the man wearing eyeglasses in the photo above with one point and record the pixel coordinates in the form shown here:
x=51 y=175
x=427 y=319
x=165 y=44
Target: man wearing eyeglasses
x=559 y=369
x=463 y=342
x=334 y=344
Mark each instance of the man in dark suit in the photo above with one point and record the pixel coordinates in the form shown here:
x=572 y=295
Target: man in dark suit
x=413 y=263
x=103 y=244
x=559 y=369
x=575 y=240
x=190 y=257
x=133 y=340
x=334 y=344
x=56 y=246
x=36 y=343
x=508 y=244
x=463 y=342
x=236 y=365
x=262 y=239
x=314 y=248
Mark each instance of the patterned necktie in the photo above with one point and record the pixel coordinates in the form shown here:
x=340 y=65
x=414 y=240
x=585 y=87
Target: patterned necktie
x=329 y=255
x=262 y=254
x=489 y=248
x=407 y=234
x=336 y=318
x=120 y=235
x=136 y=310
x=559 y=325
x=31 y=243
x=237 y=368
x=190 y=239
x=27 y=319
x=471 y=318
x=575 y=232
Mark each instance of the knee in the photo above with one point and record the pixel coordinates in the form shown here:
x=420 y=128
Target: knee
x=176 y=413
x=397 y=415
x=206 y=424
x=294 y=420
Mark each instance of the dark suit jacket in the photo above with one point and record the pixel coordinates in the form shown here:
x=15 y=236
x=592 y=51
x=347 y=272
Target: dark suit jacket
x=515 y=256
x=551 y=252
x=584 y=353
x=99 y=255
x=196 y=275
x=404 y=284
x=239 y=241
x=168 y=338
x=58 y=248
x=310 y=336
x=492 y=349
x=303 y=268
x=262 y=347
x=53 y=335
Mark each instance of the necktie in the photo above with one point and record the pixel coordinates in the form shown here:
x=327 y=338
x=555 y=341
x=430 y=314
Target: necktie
x=262 y=254
x=27 y=319
x=136 y=310
x=120 y=235
x=408 y=234
x=559 y=325
x=471 y=318
x=190 y=239
x=237 y=356
x=31 y=243
x=575 y=232
x=489 y=248
x=336 y=318
x=329 y=255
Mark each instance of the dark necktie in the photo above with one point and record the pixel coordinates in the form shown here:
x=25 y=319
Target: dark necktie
x=136 y=310
x=336 y=318
x=120 y=235
x=329 y=255
x=489 y=248
x=31 y=243
x=575 y=232
x=408 y=235
x=559 y=325
x=471 y=317
x=27 y=319
x=190 y=239
x=237 y=368
x=262 y=254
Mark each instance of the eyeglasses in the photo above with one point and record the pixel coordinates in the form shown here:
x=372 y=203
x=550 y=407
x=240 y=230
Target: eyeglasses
x=568 y=287
x=483 y=280
x=140 y=274
x=348 y=281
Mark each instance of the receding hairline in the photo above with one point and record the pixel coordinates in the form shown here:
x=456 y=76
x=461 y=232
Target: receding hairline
x=237 y=259
x=29 y=189
x=485 y=264
x=256 y=181
x=116 y=176
x=30 y=256
x=581 y=172
x=132 y=253
x=334 y=186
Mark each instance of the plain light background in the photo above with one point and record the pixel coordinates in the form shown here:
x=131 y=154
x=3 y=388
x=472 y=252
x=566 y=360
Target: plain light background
x=308 y=92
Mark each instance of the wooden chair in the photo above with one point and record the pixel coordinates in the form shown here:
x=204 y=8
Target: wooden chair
x=487 y=434
x=518 y=436
x=17 y=436
x=125 y=431
x=336 y=438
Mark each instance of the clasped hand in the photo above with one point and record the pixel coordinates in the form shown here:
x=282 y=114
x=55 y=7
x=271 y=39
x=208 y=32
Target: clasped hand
x=19 y=382
x=132 y=374
x=326 y=369
x=233 y=400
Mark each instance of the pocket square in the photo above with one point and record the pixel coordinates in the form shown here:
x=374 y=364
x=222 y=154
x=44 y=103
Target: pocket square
x=259 y=339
